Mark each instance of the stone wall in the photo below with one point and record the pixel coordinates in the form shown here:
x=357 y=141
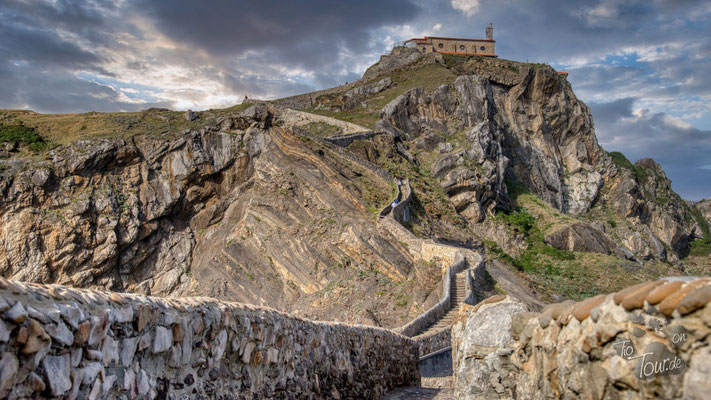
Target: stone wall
x=434 y=341
x=346 y=139
x=446 y=253
x=69 y=343
x=307 y=100
x=650 y=340
x=435 y=312
x=401 y=211
x=460 y=46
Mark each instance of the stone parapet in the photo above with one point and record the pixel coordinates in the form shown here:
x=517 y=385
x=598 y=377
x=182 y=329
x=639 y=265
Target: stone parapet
x=346 y=139
x=437 y=311
x=67 y=343
x=651 y=340
x=434 y=341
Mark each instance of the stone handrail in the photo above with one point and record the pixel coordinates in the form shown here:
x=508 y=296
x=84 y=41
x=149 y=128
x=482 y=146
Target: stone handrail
x=69 y=343
x=307 y=100
x=434 y=342
x=401 y=211
x=475 y=277
x=438 y=310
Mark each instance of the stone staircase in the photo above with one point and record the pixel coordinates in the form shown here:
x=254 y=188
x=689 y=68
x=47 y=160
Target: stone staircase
x=458 y=296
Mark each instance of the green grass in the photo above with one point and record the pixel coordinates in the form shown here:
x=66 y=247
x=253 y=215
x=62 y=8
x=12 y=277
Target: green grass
x=700 y=247
x=552 y=271
x=641 y=172
x=322 y=129
x=66 y=128
x=22 y=135
x=427 y=76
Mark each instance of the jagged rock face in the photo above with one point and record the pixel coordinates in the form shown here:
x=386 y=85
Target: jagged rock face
x=231 y=212
x=117 y=213
x=400 y=57
x=647 y=199
x=481 y=345
x=533 y=130
x=704 y=207
x=584 y=237
x=536 y=132
x=473 y=178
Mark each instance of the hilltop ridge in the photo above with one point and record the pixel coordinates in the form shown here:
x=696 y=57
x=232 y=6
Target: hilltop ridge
x=246 y=204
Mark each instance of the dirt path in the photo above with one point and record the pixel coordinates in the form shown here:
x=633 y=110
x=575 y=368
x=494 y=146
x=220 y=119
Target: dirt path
x=296 y=118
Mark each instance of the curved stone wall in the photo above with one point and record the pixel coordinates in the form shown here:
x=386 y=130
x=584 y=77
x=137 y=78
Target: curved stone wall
x=69 y=343
x=401 y=211
x=435 y=312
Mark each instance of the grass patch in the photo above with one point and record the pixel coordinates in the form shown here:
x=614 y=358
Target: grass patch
x=66 y=128
x=641 y=173
x=322 y=129
x=427 y=76
x=559 y=272
x=22 y=135
x=700 y=247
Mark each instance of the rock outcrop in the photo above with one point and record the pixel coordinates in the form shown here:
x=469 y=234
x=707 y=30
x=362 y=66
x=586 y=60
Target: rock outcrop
x=642 y=193
x=231 y=211
x=586 y=238
x=481 y=346
x=523 y=122
x=704 y=207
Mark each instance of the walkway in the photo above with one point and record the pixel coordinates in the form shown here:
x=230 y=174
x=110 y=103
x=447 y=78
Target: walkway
x=458 y=295
x=294 y=118
x=430 y=389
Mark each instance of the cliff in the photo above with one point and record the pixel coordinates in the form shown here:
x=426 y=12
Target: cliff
x=242 y=210
x=504 y=141
x=259 y=205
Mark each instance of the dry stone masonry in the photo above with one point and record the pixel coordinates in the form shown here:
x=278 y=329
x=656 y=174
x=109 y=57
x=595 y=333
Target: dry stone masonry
x=69 y=343
x=650 y=340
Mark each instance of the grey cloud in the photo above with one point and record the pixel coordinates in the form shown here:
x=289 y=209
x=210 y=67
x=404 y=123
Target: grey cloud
x=299 y=31
x=682 y=151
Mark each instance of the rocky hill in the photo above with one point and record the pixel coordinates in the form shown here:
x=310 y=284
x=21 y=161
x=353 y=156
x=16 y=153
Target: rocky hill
x=250 y=204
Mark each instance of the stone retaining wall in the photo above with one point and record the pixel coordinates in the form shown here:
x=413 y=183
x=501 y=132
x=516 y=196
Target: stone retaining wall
x=349 y=155
x=345 y=140
x=651 y=340
x=401 y=211
x=68 y=343
x=307 y=100
x=446 y=253
x=475 y=279
x=434 y=341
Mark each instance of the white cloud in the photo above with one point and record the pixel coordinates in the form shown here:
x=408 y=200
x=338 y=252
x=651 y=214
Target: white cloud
x=437 y=27
x=467 y=7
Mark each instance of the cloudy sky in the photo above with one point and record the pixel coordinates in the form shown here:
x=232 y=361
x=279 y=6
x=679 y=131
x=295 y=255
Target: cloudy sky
x=643 y=66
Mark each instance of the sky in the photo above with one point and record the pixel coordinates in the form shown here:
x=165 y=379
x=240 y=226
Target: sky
x=642 y=66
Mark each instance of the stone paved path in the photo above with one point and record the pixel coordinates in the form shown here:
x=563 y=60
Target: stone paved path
x=458 y=295
x=431 y=389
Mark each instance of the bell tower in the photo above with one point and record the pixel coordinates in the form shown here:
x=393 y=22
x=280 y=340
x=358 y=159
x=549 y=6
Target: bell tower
x=490 y=31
